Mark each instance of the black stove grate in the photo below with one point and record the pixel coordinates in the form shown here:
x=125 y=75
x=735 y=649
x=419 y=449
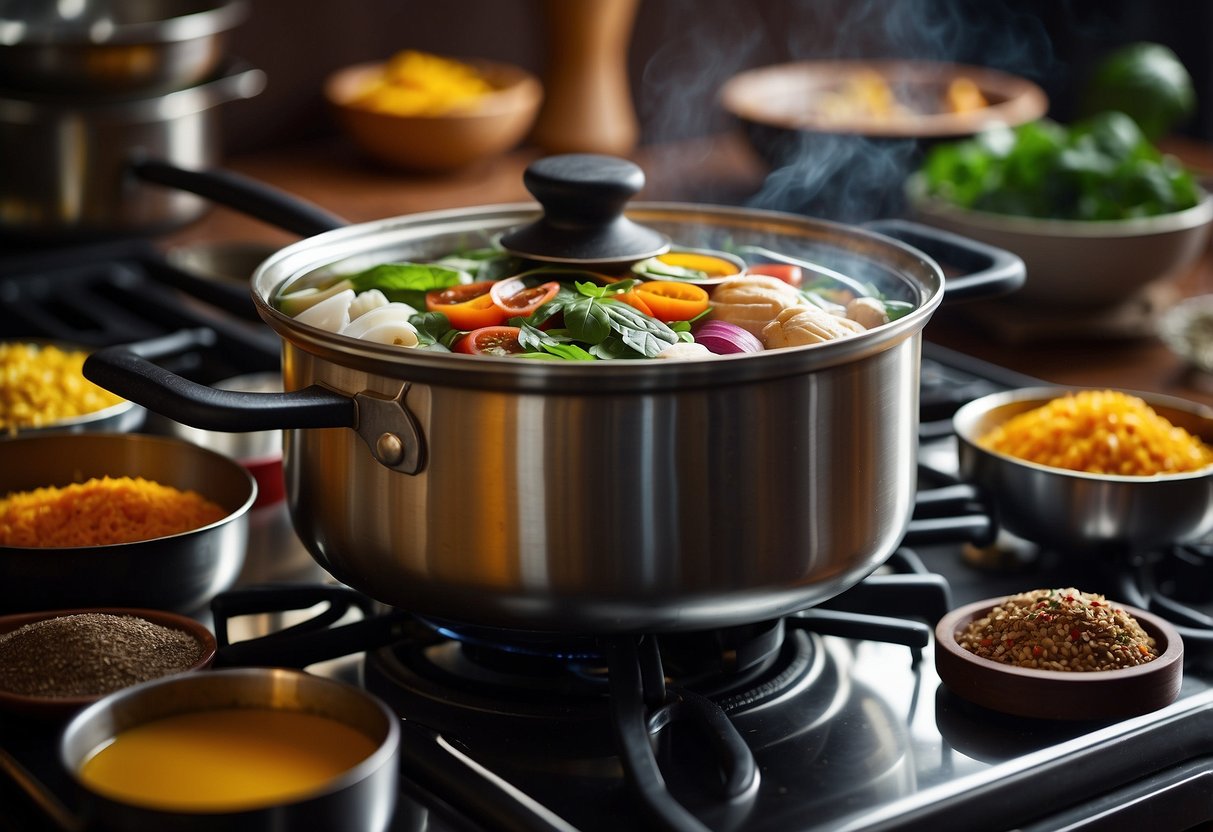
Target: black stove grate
x=124 y=292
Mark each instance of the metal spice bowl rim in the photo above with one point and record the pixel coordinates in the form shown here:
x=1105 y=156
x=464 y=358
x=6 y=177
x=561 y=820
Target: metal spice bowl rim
x=61 y=707
x=1055 y=694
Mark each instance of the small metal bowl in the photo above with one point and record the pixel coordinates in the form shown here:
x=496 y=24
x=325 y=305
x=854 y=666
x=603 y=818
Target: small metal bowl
x=362 y=798
x=181 y=572
x=54 y=707
x=1077 y=511
x=120 y=417
x=1053 y=694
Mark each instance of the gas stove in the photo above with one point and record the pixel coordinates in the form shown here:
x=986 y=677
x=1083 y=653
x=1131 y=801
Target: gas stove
x=829 y=719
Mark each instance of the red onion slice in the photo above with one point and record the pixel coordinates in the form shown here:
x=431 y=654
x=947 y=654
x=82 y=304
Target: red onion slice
x=724 y=338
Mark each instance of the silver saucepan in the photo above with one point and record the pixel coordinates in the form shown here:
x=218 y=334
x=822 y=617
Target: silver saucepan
x=574 y=497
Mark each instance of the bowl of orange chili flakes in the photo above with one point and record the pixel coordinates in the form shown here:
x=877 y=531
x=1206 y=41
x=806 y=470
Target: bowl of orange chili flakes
x=1059 y=653
x=1113 y=472
x=118 y=520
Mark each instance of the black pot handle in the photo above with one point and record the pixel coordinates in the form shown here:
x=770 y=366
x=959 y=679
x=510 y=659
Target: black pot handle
x=248 y=196
x=129 y=371
x=384 y=423
x=988 y=272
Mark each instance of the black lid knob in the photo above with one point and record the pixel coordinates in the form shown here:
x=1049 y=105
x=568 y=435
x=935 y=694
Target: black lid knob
x=583 y=197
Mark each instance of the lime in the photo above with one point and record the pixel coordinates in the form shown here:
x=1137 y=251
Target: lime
x=1147 y=82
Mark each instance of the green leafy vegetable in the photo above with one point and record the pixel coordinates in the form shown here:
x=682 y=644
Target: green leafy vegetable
x=1103 y=168
x=408 y=282
x=434 y=330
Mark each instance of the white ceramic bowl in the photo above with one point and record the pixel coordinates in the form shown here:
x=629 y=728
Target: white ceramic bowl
x=1079 y=262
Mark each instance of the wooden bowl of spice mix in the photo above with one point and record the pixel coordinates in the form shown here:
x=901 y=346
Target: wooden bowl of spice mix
x=1059 y=653
x=118 y=519
x=55 y=662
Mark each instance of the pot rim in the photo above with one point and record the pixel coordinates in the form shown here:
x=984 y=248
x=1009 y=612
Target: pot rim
x=238 y=81
x=221 y=16
x=327 y=250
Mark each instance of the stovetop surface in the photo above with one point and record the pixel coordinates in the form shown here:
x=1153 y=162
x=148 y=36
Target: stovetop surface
x=881 y=745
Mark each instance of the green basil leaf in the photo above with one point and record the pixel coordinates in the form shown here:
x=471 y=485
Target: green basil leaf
x=569 y=352
x=408 y=282
x=587 y=320
x=612 y=348
x=431 y=326
x=590 y=290
x=647 y=336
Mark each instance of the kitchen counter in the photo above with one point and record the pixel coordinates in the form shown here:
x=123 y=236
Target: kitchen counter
x=1115 y=351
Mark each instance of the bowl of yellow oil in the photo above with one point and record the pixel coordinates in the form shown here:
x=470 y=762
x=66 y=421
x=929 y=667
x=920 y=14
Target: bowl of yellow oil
x=256 y=747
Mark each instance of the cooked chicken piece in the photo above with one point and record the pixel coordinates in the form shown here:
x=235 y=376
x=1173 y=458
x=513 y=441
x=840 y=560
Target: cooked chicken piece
x=752 y=301
x=799 y=325
x=869 y=312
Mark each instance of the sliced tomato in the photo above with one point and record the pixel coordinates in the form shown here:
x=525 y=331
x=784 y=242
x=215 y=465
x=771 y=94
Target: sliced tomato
x=635 y=301
x=514 y=298
x=491 y=340
x=673 y=300
x=466 y=306
x=786 y=272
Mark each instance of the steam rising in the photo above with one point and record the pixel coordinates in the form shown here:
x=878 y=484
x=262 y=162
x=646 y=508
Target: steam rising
x=849 y=178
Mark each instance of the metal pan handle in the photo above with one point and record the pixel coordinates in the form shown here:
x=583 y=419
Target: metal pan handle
x=385 y=424
x=240 y=193
x=988 y=272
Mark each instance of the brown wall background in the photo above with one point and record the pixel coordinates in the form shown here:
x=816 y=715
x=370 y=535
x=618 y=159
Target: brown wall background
x=681 y=51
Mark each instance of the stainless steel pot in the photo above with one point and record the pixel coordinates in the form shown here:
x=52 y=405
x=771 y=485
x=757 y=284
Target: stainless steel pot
x=620 y=496
x=66 y=169
x=102 y=47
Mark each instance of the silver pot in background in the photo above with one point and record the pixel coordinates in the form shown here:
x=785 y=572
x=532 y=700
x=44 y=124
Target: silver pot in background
x=112 y=47
x=66 y=166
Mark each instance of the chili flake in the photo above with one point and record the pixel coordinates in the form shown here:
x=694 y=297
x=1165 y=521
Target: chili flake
x=1086 y=634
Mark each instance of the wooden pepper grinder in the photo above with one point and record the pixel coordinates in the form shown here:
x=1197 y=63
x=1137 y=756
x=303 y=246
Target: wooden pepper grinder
x=587 y=98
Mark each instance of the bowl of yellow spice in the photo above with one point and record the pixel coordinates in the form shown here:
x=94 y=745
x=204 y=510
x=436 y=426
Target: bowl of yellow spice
x=42 y=388
x=1091 y=470
x=430 y=113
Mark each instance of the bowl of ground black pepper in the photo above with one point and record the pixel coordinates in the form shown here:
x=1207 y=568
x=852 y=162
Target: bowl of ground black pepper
x=1059 y=653
x=54 y=663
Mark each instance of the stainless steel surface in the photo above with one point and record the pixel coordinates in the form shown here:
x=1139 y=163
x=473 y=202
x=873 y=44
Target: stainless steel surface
x=111 y=47
x=363 y=798
x=627 y=495
x=1076 y=511
x=232 y=262
x=182 y=572
x=65 y=166
x=250 y=447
